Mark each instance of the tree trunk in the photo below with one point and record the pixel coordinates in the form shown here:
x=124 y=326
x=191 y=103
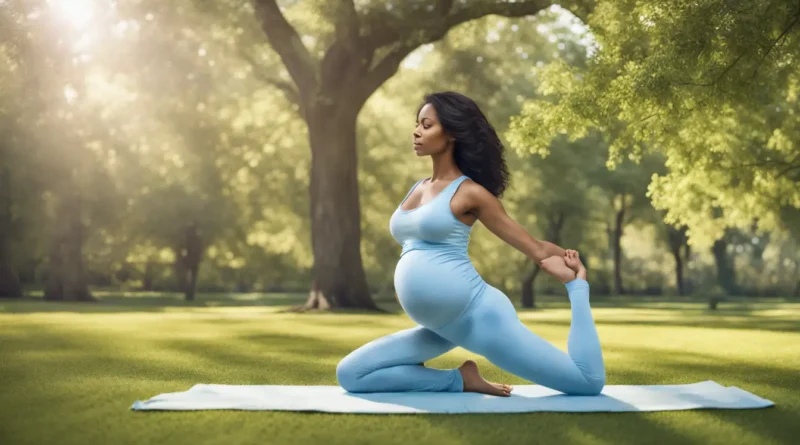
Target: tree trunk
x=679 y=273
x=194 y=269
x=191 y=291
x=194 y=256
x=528 y=296
x=147 y=279
x=188 y=256
x=726 y=273
x=619 y=224
x=179 y=267
x=687 y=280
x=339 y=278
x=9 y=281
x=66 y=280
x=679 y=250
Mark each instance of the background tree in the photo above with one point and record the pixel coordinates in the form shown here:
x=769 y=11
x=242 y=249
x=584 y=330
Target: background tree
x=701 y=83
x=681 y=251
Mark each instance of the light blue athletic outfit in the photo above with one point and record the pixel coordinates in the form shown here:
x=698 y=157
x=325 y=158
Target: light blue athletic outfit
x=441 y=291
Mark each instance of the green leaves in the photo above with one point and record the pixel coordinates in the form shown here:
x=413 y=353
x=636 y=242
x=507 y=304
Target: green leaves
x=709 y=84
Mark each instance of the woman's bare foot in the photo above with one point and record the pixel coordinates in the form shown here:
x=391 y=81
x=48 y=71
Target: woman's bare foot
x=473 y=382
x=557 y=267
x=573 y=261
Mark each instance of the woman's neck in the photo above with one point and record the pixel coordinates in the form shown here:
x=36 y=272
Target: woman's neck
x=444 y=166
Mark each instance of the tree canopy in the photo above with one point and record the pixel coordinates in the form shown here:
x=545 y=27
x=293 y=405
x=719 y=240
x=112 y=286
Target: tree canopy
x=713 y=85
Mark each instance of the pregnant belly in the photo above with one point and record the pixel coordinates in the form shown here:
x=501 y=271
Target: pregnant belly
x=435 y=287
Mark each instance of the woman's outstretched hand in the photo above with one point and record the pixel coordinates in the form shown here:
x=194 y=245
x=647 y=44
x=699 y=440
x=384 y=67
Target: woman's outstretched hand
x=565 y=268
x=557 y=267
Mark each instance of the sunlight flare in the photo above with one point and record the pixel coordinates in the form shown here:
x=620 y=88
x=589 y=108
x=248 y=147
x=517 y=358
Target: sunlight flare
x=77 y=12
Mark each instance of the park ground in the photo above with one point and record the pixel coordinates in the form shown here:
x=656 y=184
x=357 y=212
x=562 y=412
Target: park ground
x=69 y=372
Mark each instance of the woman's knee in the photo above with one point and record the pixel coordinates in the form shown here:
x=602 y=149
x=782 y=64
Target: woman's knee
x=600 y=383
x=596 y=386
x=592 y=387
x=347 y=374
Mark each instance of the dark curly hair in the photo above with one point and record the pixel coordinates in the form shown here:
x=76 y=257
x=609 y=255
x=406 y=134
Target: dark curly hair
x=478 y=152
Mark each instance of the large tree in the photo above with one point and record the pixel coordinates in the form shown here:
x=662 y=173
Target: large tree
x=365 y=48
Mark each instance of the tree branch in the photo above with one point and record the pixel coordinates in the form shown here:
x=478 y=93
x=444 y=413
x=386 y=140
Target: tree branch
x=346 y=21
x=773 y=163
x=430 y=26
x=383 y=70
x=410 y=33
x=443 y=7
x=343 y=57
x=775 y=42
x=791 y=166
x=736 y=61
x=715 y=81
x=288 y=89
x=287 y=43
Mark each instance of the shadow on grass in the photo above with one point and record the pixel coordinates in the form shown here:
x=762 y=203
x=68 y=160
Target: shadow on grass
x=163 y=302
x=82 y=363
x=150 y=303
x=779 y=385
x=68 y=355
x=268 y=359
x=727 y=372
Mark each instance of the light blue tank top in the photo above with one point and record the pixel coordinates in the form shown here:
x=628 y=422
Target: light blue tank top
x=431 y=225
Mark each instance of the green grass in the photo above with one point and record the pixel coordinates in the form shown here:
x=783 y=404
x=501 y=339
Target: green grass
x=69 y=372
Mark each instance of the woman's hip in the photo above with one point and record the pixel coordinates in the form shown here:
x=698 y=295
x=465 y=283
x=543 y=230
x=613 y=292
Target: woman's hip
x=489 y=312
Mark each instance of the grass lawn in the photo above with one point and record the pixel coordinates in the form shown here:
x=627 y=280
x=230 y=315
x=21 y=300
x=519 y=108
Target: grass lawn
x=70 y=372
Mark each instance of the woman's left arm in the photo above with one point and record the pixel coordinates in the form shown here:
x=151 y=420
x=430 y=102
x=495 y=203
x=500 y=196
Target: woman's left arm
x=491 y=213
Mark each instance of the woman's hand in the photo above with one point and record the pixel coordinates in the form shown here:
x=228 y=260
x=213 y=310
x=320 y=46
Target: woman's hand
x=557 y=267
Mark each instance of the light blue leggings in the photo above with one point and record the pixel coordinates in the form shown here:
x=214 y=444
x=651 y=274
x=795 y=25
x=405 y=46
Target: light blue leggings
x=489 y=327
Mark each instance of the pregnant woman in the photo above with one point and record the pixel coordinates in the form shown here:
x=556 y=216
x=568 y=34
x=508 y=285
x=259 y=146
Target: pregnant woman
x=441 y=291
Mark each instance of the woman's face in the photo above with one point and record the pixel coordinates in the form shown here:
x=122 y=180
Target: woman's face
x=429 y=136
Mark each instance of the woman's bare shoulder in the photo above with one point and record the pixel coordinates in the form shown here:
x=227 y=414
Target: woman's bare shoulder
x=475 y=190
x=476 y=196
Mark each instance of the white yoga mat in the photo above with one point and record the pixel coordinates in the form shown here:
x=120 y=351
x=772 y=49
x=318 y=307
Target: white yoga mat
x=524 y=398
